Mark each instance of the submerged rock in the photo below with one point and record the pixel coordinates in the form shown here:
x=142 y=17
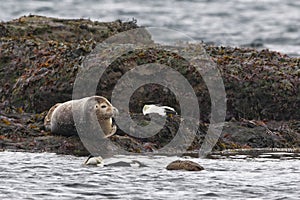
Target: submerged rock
x=184 y=165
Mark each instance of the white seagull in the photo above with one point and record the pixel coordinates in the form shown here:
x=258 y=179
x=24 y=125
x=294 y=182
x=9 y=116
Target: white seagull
x=161 y=110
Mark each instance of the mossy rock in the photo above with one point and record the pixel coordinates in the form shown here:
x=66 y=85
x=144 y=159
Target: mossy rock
x=41 y=56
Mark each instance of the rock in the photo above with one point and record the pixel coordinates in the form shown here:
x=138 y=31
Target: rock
x=40 y=58
x=133 y=163
x=256 y=134
x=55 y=49
x=184 y=165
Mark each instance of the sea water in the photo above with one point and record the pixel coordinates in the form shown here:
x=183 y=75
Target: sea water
x=273 y=24
x=52 y=176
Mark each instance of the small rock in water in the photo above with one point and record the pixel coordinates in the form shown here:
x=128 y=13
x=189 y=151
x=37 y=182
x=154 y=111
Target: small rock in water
x=184 y=165
x=96 y=161
x=133 y=163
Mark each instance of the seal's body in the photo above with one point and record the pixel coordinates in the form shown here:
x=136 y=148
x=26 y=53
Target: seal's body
x=47 y=120
x=60 y=118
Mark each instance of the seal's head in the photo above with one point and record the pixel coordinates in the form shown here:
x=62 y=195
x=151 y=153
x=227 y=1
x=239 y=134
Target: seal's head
x=101 y=111
x=102 y=107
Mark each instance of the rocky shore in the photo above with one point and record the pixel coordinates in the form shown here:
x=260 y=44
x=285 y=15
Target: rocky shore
x=40 y=58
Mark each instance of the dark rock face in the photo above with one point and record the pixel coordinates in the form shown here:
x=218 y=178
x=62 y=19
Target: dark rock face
x=25 y=132
x=257 y=134
x=40 y=58
x=184 y=165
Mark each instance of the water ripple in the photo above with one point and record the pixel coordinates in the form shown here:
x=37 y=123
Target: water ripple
x=50 y=176
x=234 y=22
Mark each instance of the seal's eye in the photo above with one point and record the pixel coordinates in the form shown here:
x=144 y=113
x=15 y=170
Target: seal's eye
x=103 y=106
x=96 y=106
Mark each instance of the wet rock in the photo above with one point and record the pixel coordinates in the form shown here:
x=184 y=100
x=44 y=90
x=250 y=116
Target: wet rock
x=257 y=134
x=127 y=143
x=272 y=153
x=40 y=58
x=54 y=50
x=259 y=84
x=184 y=165
x=132 y=163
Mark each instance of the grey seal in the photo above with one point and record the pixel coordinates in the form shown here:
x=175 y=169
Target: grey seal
x=59 y=119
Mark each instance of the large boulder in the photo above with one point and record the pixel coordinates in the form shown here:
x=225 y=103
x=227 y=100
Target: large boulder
x=40 y=58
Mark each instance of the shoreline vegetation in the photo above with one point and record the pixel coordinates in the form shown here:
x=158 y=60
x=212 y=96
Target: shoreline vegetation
x=41 y=56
